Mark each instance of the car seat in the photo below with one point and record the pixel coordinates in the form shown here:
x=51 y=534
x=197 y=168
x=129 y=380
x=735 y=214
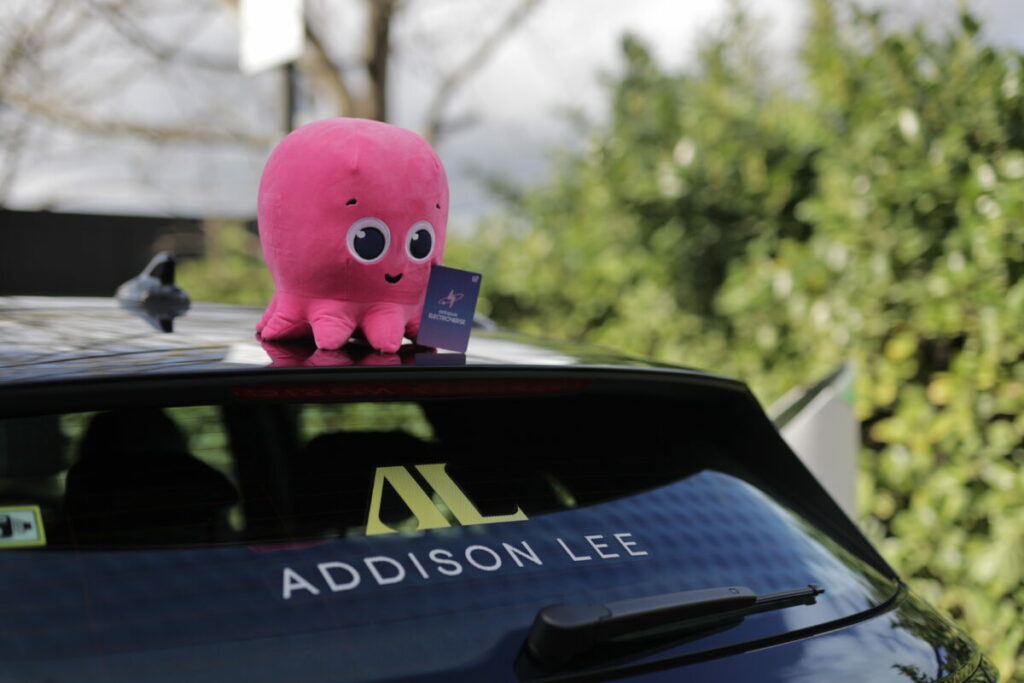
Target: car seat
x=32 y=460
x=135 y=483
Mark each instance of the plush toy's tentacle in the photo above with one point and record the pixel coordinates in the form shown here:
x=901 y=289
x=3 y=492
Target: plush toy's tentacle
x=281 y=326
x=333 y=323
x=383 y=325
x=412 y=327
x=267 y=314
x=287 y=320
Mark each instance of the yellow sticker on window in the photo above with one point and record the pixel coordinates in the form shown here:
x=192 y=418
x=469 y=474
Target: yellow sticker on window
x=420 y=504
x=21 y=527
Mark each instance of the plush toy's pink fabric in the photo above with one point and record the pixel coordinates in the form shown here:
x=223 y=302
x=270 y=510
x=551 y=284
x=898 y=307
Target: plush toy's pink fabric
x=352 y=213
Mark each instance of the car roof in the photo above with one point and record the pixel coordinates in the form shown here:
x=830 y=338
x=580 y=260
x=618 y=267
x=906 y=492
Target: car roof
x=48 y=339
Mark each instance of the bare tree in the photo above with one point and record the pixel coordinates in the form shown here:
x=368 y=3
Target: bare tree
x=45 y=24
x=164 y=73
x=334 y=76
x=55 y=41
x=436 y=123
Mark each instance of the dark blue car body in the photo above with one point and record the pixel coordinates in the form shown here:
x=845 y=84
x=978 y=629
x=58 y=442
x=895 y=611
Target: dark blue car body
x=660 y=480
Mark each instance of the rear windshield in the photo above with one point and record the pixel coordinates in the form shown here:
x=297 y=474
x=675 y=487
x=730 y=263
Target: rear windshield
x=402 y=537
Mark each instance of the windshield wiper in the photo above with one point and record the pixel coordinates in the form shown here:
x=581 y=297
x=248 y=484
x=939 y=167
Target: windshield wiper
x=561 y=632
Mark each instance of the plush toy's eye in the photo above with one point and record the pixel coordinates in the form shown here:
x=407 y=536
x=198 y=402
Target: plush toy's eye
x=420 y=243
x=368 y=239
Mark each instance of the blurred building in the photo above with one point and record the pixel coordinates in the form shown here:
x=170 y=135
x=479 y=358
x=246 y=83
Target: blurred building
x=75 y=254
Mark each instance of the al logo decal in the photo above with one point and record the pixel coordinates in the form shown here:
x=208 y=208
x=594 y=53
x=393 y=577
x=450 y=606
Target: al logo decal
x=419 y=502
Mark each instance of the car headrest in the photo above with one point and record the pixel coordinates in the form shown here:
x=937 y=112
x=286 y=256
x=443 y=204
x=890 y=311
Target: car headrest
x=136 y=479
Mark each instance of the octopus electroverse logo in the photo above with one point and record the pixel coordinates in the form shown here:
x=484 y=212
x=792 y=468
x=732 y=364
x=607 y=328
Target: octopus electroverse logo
x=450 y=299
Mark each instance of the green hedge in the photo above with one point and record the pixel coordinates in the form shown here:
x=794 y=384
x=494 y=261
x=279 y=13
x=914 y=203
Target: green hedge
x=231 y=270
x=870 y=209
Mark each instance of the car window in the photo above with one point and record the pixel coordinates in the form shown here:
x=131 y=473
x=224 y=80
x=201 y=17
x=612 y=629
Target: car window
x=438 y=525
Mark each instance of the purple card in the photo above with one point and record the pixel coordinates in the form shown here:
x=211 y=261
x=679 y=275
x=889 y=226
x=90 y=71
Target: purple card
x=448 y=308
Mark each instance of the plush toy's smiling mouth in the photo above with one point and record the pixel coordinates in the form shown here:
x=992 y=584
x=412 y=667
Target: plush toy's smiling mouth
x=392 y=278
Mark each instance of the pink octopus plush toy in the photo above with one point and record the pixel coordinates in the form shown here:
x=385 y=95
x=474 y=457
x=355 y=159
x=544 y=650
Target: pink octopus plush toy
x=352 y=214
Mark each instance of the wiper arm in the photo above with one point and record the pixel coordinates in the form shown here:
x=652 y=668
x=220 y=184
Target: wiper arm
x=560 y=632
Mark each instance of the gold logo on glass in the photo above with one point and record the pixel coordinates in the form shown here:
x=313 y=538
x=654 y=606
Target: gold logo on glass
x=426 y=510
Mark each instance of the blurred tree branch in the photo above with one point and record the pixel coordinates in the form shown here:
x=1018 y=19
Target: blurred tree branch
x=120 y=20
x=376 y=54
x=158 y=71
x=70 y=118
x=455 y=78
x=324 y=71
x=334 y=78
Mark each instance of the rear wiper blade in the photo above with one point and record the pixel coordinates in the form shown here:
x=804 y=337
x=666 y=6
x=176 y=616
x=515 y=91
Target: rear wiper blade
x=561 y=632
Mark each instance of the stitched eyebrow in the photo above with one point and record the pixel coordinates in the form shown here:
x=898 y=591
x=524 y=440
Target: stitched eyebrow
x=350 y=202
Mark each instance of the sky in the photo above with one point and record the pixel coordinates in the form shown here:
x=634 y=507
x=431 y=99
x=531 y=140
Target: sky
x=551 y=64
